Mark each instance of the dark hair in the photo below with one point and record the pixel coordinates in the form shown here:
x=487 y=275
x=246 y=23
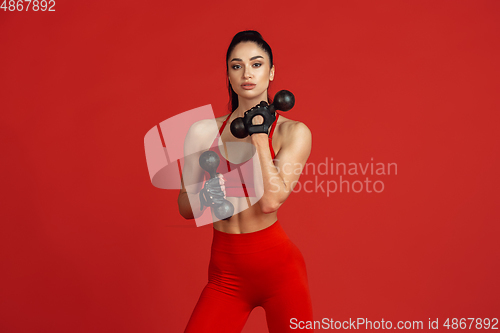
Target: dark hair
x=245 y=36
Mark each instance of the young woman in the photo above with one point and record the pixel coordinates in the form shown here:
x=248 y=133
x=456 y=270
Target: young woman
x=253 y=262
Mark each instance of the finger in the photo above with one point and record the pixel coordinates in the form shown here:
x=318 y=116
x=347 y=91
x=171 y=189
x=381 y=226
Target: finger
x=257 y=120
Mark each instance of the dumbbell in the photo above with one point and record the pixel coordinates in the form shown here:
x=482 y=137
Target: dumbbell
x=283 y=101
x=209 y=161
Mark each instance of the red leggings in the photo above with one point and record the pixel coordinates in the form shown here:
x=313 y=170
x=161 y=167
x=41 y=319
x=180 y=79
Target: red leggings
x=262 y=268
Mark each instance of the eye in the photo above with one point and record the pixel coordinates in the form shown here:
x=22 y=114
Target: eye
x=235 y=66
x=257 y=64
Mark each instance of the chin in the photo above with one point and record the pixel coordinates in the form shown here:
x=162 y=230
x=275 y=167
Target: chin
x=250 y=94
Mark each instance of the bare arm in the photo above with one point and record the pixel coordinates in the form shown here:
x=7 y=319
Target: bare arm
x=199 y=137
x=279 y=178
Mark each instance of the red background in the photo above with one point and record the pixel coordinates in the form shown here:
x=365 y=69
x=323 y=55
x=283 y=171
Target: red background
x=89 y=245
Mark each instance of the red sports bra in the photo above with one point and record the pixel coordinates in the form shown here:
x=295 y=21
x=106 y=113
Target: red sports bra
x=236 y=174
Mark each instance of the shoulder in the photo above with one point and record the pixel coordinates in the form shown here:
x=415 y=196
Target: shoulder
x=293 y=130
x=296 y=143
x=201 y=127
x=202 y=132
x=201 y=135
x=295 y=139
x=206 y=126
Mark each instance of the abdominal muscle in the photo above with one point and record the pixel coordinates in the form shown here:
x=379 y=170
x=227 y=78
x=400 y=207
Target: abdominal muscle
x=247 y=220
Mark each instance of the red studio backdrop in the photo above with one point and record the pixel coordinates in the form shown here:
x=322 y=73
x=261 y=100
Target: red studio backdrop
x=406 y=93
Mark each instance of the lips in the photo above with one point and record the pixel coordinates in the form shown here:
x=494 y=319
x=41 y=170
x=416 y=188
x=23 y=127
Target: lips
x=248 y=86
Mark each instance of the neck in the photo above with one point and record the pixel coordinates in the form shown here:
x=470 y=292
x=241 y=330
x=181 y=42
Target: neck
x=246 y=104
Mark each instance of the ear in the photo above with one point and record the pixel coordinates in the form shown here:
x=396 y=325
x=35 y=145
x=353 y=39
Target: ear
x=271 y=74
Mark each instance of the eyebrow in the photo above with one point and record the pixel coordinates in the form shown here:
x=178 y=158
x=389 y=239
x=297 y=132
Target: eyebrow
x=252 y=58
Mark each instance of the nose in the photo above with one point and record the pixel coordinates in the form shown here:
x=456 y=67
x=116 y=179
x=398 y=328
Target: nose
x=248 y=72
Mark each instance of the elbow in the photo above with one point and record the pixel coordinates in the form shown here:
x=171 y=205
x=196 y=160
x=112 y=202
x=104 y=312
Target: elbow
x=269 y=207
x=185 y=210
x=188 y=213
x=186 y=216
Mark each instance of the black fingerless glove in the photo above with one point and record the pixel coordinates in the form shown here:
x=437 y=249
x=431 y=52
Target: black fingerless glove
x=211 y=194
x=261 y=109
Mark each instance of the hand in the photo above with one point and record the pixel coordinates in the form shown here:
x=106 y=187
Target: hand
x=259 y=119
x=213 y=192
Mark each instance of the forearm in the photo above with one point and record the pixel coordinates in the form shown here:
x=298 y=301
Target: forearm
x=274 y=187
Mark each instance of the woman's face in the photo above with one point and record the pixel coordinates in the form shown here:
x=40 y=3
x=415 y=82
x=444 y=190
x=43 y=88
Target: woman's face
x=249 y=71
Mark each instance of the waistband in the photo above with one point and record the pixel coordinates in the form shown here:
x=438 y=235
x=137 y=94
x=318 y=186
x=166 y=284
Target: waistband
x=249 y=242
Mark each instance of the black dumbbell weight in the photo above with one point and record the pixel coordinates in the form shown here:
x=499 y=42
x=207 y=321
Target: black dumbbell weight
x=209 y=161
x=283 y=101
